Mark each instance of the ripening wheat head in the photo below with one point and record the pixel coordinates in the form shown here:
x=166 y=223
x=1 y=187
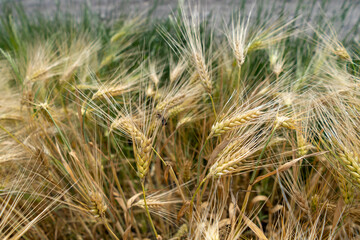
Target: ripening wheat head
x=42 y=62
x=140 y=124
x=194 y=49
x=238 y=38
x=143 y=142
x=239 y=154
x=155 y=73
x=208 y=221
x=339 y=135
x=181 y=97
x=241 y=111
x=176 y=70
x=164 y=204
x=330 y=42
x=277 y=58
x=78 y=56
x=243 y=41
x=270 y=33
x=121 y=83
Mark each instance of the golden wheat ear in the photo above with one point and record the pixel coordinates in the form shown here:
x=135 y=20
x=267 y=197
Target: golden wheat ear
x=237 y=38
x=194 y=50
x=234 y=122
x=143 y=144
x=121 y=84
x=42 y=62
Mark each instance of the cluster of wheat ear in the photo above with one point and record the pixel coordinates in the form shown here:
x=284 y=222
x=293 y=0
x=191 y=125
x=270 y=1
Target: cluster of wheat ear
x=179 y=128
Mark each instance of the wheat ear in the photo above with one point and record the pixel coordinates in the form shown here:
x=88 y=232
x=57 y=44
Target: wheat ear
x=346 y=190
x=239 y=53
x=301 y=201
x=234 y=122
x=97 y=206
x=229 y=161
x=144 y=146
x=351 y=162
x=170 y=103
x=285 y=122
x=202 y=69
x=143 y=154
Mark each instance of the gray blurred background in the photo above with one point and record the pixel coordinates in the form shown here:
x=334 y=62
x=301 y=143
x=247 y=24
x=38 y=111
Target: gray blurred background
x=111 y=8
x=222 y=9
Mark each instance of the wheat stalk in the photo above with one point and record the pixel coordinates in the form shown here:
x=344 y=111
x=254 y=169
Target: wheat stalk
x=237 y=37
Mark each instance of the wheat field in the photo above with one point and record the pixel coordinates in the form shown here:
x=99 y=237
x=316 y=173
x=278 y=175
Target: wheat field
x=184 y=127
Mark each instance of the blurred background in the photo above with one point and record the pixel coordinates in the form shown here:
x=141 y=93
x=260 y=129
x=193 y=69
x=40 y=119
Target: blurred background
x=112 y=9
x=99 y=15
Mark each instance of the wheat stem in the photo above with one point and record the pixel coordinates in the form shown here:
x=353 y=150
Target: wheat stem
x=199 y=160
x=213 y=105
x=261 y=154
x=247 y=195
x=109 y=229
x=196 y=192
x=239 y=73
x=147 y=210
x=172 y=174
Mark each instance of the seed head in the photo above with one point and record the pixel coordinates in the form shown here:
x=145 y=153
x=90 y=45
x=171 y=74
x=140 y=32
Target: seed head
x=234 y=122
